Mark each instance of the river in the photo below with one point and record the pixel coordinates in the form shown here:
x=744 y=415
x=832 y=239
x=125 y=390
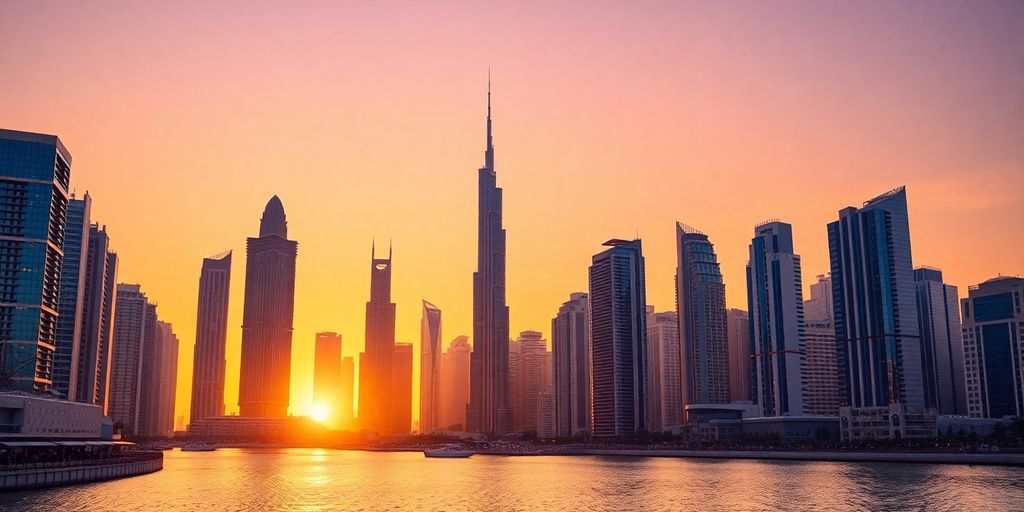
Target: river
x=319 y=479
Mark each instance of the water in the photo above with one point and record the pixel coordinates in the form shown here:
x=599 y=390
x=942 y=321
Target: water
x=316 y=479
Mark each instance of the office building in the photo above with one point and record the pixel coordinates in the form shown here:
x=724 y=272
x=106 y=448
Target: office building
x=430 y=368
x=208 y=361
x=71 y=299
x=820 y=349
x=530 y=376
x=570 y=353
x=402 y=395
x=135 y=333
x=167 y=383
x=377 y=406
x=993 y=335
x=455 y=382
x=664 y=382
x=738 y=331
x=942 y=343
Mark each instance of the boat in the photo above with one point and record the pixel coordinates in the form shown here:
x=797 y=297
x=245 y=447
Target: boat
x=198 y=447
x=448 y=451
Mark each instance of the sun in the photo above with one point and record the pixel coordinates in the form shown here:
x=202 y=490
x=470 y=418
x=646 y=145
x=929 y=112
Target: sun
x=320 y=413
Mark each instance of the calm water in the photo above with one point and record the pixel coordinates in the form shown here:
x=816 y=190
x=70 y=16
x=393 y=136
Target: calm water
x=312 y=479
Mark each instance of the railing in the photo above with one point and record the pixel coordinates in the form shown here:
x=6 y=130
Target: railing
x=61 y=464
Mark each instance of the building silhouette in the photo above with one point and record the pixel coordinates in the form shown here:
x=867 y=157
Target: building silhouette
x=775 y=298
x=700 y=304
x=133 y=400
x=265 y=374
x=208 y=362
x=167 y=379
x=488 y=409
x=570 y=352
x=664 y=384
x=71 y=299
x=97 y=332
x=402 y=394
x=993 y=331
x=34 y=173
x=942 y=343
x=618 y=310
x=820 y=349
x=430 y=369
x=327 y=375
x=346 y=393
x=377 y=406
x=877 y=342
x=455 y=364
x=738 y=332
x=529 y=377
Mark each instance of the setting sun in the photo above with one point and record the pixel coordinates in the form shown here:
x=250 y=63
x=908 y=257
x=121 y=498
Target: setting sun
x=320 y=413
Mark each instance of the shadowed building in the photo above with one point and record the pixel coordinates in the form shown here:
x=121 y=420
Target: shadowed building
x=738 y=332
x=267 y=317
x=402 y=394
x=618 y=327
x=430 y=369
x=376 y=368
x=820 y=347
x=34 y=173
x=100 y=299
x=993 y=334
x=131 y=401
x=488 y=410
x=942 y=343
x=72 y=298
x=208 y=361
x=167 y=382
x=529 y=377
x=346 y=391
x=327 y=375
x=700 y=304
x=570 y=354
x=664 y=390
x=455 y=383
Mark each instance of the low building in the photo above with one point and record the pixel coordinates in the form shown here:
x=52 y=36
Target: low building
x=289 y=430
x=25 y=415
x=793 y=429
x=951 y=426
x=894 y=421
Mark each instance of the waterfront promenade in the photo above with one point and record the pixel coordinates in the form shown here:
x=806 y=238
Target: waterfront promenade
x=37 y=475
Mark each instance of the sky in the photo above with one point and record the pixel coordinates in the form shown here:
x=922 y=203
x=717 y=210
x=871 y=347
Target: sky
x=611 y=120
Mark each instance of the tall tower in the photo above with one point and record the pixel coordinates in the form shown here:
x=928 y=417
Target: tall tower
x=942 y=343
x=430 y=369
x=488 y=403
x=100 y=297
x=377 y=364
x=72 y=298
x=570 y=350
x=211 y=336
x=993 y=334
x=267 y=317
x=327 y=375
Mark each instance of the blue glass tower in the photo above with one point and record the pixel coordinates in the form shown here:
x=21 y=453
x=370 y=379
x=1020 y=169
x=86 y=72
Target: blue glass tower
x=993 y=336
x=71 y=299
x=35 y=170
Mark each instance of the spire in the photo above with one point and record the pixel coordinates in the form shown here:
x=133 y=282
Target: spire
x=489 y=154
x=273 y=221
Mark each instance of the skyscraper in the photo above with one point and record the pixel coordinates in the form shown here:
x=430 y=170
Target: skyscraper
x=664 y=384
x=376 y=369
x=71 y=299
x=208 y=363
x=267 y=317
x=167 y=379
x=570 y=350
x=34 y=173
x=738 y=332
x=347 y=394
x=700 y=304
x=327 y=375
x=97 y=332
x=430 y=369
x=135 y=330
x=488 y=400
x=820 y=348
x=455 y=382
x=531 y=378
x=618 y=330
x=776 y=303
x=402 y=394
x=942 y=343
x=993 y=333
x=877 y=342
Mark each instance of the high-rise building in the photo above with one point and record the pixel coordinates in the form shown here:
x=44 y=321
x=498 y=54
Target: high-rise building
x=327 y=375
x=664 y=384
x=347 y=415
x=700 y=304
x=820 y=349
x=488 y=399
x=455 y=383
x=34 y=173
x=208 y=362
x=738 y=331
x=942 y=343
x=402 y=395
x=430 y=369
x=776 y=302
x=168 y=379
x=377 y=402
x=529 y=378
x=267 y=317
x=71 y=299
x=877 y=337
x=97 y=332
x=993 y=334
x=618 y=330
x=570 y=350
x=131 y=399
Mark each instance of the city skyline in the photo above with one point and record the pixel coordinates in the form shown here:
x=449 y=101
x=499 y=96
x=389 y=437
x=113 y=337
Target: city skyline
x=537 y=179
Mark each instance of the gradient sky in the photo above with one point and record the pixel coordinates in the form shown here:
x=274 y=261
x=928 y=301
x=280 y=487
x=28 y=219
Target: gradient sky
x=611 y=119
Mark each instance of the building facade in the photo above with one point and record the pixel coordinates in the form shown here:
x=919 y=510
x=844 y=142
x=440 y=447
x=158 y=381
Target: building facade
x=35 y=170
x=820 y=348
x=265 y=375
x=776 y=304
x=430 y=368
x=738 y=331
x=664 y=382
x=208 y=359
x=97 y=333
x=570 y=353
x=530 y=377
x=134 y=331
x=402 y=408
x=455 y=382
x=71 y=299
x=346 y=392
x=700 y=304
x=327 y=375
x=618 y=330
x=878 y=347
x=942 y=343
x=993 y=334
x=377 y=405
x=167 y=383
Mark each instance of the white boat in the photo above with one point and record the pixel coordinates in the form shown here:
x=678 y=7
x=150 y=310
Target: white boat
x=198 y=447
x=448 y=451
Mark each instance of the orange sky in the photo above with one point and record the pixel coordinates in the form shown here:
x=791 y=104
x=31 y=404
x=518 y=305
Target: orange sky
x=611 y=119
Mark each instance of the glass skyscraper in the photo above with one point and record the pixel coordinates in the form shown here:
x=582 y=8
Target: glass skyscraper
x=993 y=333
x=570 y=352
x=72 y=298
x=942 y=343
x=35 y=171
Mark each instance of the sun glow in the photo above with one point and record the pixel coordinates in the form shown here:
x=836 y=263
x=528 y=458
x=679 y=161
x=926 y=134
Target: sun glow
x=320 y=413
